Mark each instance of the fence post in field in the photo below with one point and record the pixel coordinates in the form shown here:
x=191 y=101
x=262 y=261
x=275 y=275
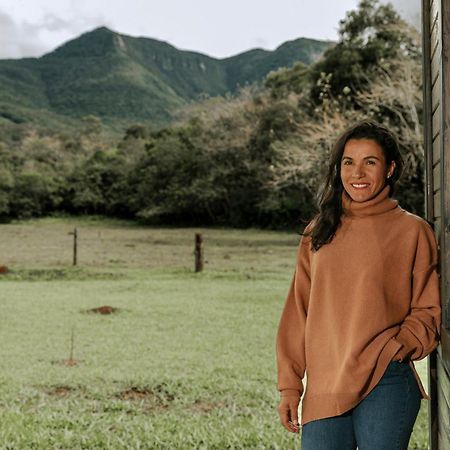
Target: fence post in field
x=198 y=252
x=75 y=245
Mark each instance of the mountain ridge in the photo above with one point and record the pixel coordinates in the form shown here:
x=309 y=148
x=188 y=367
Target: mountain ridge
x=124 y=79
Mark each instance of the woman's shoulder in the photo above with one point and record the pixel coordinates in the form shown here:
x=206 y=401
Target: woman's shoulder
x=414 y=219
x=310 y=225
x=304 y=243
x=416 y=222
x=424 y=238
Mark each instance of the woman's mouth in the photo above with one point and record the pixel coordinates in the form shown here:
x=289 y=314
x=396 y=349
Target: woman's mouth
x=359 y=185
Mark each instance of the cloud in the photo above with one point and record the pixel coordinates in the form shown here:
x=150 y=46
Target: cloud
x=16 y=43
x=50 y=23
x=33 y=39
x=261 y=42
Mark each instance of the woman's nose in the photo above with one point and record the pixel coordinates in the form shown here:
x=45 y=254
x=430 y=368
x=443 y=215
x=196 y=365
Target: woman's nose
x=358 y=171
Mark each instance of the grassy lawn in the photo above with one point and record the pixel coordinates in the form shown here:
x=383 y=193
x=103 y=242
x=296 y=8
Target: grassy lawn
x=187 y=360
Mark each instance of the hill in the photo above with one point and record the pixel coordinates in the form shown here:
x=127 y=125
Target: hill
x=123 y=79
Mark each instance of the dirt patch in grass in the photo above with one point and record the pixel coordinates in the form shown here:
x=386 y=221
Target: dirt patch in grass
x=60 y=391
x=200 y=406
x=157 y=398
x=66 y=362
x=75 y=274
x=105 y=309
x=70 y=362
x=135 y=393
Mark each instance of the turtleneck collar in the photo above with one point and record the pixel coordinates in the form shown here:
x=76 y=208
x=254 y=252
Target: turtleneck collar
x=379 y=204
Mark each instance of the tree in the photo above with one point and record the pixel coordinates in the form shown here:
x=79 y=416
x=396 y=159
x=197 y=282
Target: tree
x=34 y=194
x=284 y=82
x=393 y=98
x=368 y=37
x=6 y=187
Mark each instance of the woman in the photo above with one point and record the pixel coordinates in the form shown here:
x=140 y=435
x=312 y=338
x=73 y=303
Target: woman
x=363 y=304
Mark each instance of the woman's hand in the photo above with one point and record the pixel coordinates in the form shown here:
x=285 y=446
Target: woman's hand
x=288 y=411
x=402 y=355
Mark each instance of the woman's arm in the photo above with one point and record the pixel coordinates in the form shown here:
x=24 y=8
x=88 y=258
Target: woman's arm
x=290 y=345
x=420 y=331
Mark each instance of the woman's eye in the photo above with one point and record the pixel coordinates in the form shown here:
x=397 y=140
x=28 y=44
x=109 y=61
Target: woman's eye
x=346 y=162
x=370 y=161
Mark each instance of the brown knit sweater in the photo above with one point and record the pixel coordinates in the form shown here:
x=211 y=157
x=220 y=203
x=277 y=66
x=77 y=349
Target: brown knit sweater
x=369 y=297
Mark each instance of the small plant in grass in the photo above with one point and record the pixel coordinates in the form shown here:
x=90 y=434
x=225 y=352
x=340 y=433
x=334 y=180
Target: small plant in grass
x=71 y=361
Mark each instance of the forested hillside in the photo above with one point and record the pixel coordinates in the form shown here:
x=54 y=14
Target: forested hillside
x=122 y=79
x=255 y=159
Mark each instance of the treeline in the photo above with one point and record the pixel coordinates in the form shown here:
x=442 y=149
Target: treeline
x=252 y=160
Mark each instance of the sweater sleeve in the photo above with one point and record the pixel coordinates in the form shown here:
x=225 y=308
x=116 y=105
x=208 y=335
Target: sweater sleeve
x=290 y=343
x=420 y=330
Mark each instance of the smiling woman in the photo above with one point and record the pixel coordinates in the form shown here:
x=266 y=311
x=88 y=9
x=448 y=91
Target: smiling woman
x=363 y=304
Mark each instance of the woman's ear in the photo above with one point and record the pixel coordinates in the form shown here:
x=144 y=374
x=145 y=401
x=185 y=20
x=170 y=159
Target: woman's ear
x=391 y=169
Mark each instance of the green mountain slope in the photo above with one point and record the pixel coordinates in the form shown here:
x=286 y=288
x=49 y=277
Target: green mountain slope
x=123 y=79
x=255 y=64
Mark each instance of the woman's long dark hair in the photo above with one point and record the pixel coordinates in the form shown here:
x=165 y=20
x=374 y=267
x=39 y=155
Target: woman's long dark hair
x=328 y=219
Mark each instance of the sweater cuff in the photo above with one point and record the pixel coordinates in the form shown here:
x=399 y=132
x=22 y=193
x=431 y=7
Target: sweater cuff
x=290 y=393
x=401 y=355
x=409 y=344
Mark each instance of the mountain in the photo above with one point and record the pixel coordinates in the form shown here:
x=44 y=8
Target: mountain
x=123 y=79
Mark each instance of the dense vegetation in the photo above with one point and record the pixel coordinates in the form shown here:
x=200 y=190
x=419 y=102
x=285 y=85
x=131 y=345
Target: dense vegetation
x=255 y=159
x=122 y=79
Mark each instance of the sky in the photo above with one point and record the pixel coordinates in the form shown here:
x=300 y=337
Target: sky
x=216 y=28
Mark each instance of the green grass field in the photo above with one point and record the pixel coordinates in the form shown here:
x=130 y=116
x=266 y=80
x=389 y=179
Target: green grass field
x=186 y=362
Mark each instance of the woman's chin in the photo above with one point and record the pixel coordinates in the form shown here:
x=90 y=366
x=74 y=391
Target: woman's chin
x=360 y=195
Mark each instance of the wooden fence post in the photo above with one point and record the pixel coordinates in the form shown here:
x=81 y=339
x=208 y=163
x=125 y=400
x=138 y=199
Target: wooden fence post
x=198 y=252
x=75 y=246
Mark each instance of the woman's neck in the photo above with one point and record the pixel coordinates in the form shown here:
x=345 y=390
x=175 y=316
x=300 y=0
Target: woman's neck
x=378 y=204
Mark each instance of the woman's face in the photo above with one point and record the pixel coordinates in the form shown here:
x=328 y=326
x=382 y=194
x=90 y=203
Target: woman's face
x=364 y=169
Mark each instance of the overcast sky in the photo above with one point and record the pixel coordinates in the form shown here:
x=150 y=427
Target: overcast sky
x=216 y=28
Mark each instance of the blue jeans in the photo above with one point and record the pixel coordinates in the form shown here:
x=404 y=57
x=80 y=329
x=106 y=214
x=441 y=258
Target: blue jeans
x=383 y=420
